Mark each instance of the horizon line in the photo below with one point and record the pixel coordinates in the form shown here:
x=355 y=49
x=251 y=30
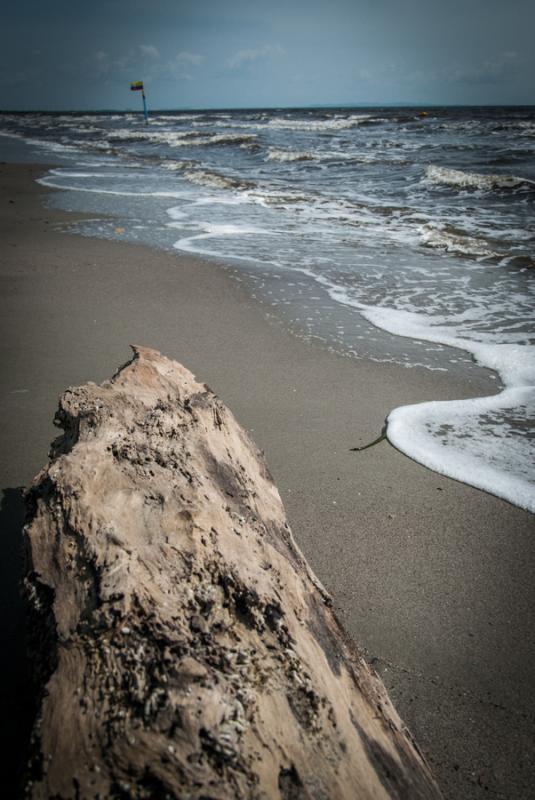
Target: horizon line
x=129 y=110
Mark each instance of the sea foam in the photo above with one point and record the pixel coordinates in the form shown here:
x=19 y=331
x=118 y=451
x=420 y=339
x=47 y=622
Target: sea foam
x=475 y=450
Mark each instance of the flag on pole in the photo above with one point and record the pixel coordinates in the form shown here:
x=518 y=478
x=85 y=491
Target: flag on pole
x=137 y=86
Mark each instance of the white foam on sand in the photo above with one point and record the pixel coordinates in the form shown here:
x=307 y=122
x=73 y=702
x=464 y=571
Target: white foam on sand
x=481 y=441
x=448 y=437
x=46 y=181
x=190 y=244
x=61 y=173
x=464 y=439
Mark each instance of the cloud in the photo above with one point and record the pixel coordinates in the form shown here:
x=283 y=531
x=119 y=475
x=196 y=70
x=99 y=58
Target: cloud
x=190 y=58
x=21 y=78
x=149 y=51
x=178 y=68
x=145 y=57
x=502 y=67
x=243 y=57
x=495 y=70
x=101 y=62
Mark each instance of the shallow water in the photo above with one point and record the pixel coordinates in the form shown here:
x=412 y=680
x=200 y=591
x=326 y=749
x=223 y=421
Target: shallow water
x=384 y=233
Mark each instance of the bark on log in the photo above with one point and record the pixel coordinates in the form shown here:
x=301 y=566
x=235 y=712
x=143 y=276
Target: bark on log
x=186 y=647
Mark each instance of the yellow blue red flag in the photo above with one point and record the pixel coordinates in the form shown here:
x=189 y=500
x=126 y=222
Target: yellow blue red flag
x=137 y=86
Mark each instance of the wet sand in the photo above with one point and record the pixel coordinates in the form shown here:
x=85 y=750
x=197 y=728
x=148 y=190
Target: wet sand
x=433 y=579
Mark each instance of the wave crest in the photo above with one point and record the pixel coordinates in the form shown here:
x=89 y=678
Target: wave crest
x=474 y=180
x=289 y=155
x=455 y=242
x=333 y=123
x=182 y=138
x=215 y=180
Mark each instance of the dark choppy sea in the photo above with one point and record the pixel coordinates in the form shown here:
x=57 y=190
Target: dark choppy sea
x=387 y=234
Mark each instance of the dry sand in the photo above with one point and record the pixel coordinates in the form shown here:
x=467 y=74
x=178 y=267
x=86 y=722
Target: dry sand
x=433 y=579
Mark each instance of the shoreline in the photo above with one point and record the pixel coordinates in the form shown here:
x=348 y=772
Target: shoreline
x=432 y=578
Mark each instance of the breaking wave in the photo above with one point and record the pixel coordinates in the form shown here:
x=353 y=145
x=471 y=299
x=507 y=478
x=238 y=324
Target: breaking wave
x=289 y=155
x=440 y=238
x=334 y=123
x=178 y=166
x=231 y=138
x=181 y=138
x=472 y=180
x=215 y=180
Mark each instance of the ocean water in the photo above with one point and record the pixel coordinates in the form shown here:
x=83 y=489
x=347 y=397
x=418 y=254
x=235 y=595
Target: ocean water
x=387 y=234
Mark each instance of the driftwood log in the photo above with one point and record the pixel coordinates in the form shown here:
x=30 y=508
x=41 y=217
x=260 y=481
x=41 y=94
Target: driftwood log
x=183 y=647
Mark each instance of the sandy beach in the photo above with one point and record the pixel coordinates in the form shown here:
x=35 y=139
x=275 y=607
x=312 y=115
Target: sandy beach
x=432 y=578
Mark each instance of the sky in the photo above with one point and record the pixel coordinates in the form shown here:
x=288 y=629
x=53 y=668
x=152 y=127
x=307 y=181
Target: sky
x=60 y=55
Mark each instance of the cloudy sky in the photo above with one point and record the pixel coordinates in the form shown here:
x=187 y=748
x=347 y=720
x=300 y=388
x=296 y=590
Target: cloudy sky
x=74 y=54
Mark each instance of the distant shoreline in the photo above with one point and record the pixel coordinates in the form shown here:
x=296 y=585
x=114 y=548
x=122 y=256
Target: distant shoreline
x=319 y=107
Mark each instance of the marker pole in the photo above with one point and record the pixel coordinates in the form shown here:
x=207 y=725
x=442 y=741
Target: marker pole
x=145 y=112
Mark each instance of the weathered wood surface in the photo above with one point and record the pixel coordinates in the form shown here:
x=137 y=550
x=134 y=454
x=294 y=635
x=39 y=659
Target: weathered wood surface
x=186 y=647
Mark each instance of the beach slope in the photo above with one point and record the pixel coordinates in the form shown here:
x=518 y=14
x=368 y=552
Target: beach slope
x=434 y=579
